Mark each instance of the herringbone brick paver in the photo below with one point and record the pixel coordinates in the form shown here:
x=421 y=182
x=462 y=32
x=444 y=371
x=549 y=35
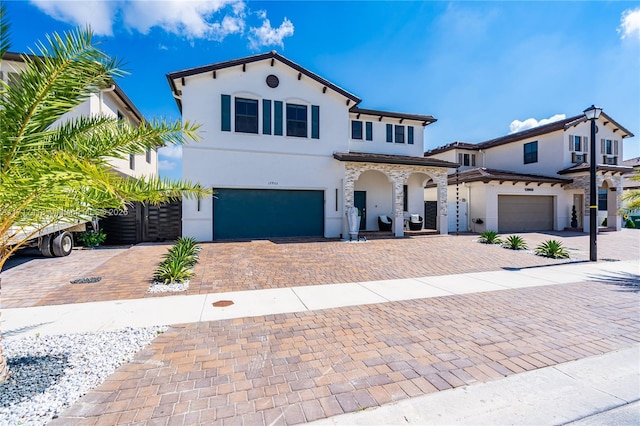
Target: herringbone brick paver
x=299 y=367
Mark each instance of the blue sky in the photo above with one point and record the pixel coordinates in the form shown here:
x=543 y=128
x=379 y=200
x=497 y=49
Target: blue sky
x=483 y=69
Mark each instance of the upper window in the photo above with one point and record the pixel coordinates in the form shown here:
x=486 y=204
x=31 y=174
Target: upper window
x=297 y=120
x=577 y=143
x=356 y=129
x=246 y=115
x=531 y=152
x=369 y=131
x=399 y=134
x=467 y=159
x=132 y=161
x=608 y=147
x=148 y=155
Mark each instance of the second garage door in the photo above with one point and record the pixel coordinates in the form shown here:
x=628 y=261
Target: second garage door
x=519 y=213
x=267 y=213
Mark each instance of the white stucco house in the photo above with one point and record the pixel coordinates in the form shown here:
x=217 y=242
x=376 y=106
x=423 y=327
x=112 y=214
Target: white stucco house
x=530 y=180
x=288 y=152
x=110 y=101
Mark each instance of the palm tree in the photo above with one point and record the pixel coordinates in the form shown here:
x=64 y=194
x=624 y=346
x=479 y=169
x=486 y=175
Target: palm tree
x=53 y=169
x=632 y=197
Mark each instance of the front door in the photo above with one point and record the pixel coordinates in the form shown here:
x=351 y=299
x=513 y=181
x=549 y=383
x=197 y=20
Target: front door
x=360 y=202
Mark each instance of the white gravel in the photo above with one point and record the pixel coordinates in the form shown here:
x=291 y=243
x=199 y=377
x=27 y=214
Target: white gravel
x=50 y=373
x=158 y=287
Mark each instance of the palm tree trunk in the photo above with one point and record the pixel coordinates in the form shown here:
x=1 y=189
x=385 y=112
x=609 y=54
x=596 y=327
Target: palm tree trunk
x=4 y=370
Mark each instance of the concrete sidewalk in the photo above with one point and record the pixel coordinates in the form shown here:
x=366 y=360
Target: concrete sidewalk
x=110 y=315
x=586 y=391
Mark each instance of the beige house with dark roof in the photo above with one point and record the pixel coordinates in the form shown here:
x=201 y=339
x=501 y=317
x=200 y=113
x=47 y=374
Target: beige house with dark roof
x=531 y=180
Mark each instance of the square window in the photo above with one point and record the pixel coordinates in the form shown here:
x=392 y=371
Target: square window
x=399 y=134
x=531 y=152
x=356 y=129
x=297 y=120
x=246 y=115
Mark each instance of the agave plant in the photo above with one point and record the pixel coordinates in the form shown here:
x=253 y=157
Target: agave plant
x=553 y=249
x=490 y=237
x=173 y=270
x=515 y=242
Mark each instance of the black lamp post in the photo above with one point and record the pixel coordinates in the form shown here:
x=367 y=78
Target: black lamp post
x=592 y=113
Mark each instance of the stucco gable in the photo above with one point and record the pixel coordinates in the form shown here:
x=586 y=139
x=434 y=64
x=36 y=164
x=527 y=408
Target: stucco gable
x=177 y=79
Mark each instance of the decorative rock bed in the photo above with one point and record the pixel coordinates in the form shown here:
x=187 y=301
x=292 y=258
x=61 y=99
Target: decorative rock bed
x=50 y=373
x=158 y=287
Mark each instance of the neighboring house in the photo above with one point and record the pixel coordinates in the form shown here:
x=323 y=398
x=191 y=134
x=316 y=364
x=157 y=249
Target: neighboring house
x=109 y=101
x=529 y=181
x=288 y=152
x=141 y=222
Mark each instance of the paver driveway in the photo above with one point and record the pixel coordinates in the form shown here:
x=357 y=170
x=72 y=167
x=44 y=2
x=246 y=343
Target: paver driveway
x=235 y=266
x=293 y=368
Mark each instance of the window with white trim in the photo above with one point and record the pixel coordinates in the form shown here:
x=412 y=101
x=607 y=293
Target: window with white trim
x=609 y=150
x=467 y=159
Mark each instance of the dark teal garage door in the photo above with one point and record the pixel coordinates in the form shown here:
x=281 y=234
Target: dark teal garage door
x=267 y=213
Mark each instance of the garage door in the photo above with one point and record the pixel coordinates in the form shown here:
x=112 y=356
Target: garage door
x=267 y=213
x=520 y=213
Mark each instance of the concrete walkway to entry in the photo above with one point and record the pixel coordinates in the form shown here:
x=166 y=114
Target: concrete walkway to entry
x=111 y=315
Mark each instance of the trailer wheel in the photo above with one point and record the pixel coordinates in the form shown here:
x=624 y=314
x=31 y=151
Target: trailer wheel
x=62 y=244
x=45 y=246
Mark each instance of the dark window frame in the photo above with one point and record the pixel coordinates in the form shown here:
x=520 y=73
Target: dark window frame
x=390 y=133
x=369 y=131
x=398 y=134
x=246 y=120
x=410 y=135
x=147 y=155
x=297 y=120
x=602 y=199
x=132 y=161
x=530 y=152
x=405 y=198
x=356 y=129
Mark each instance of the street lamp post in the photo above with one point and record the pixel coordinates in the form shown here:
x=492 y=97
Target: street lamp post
x=592 y=113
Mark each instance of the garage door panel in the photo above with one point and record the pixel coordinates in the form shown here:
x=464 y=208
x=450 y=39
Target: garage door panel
x=519 y=213
x=263 y=213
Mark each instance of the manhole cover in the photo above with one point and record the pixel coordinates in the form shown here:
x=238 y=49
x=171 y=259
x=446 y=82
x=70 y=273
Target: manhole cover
x=222 y=303
x=88 y=280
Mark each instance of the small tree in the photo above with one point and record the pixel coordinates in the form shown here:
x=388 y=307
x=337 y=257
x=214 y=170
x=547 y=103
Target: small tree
x=574 y=217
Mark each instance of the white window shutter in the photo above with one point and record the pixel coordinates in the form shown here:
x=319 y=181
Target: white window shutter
x=585 y=144
x=570 y=143
x=460 y=159
x=602 y=147
x=615 y=147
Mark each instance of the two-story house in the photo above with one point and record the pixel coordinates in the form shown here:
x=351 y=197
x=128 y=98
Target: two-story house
x=531 y=180
x=288 y=153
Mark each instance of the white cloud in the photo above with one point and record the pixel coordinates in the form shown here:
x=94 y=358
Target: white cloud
x=630 y=24
x=97 y=13
x=268 y=36
x=166 y=165
x=171 y=151
x=193 y=19
x=529 y=123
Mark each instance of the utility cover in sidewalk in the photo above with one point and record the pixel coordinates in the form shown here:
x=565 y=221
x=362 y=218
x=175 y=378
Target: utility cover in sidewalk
x=222 y=303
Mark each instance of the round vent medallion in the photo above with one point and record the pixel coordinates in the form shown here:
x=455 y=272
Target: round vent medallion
x=272 y=81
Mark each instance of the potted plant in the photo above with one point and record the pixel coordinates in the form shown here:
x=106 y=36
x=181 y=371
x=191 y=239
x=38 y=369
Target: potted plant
x=574 y=217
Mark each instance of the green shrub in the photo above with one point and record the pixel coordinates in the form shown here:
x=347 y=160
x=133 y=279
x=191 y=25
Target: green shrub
x=173 y=270
x=515 y=242
x=490 y=237
x=604 y=222
x=553 y=249
x=178 y=262
x=91 y=239
x=630 y=224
